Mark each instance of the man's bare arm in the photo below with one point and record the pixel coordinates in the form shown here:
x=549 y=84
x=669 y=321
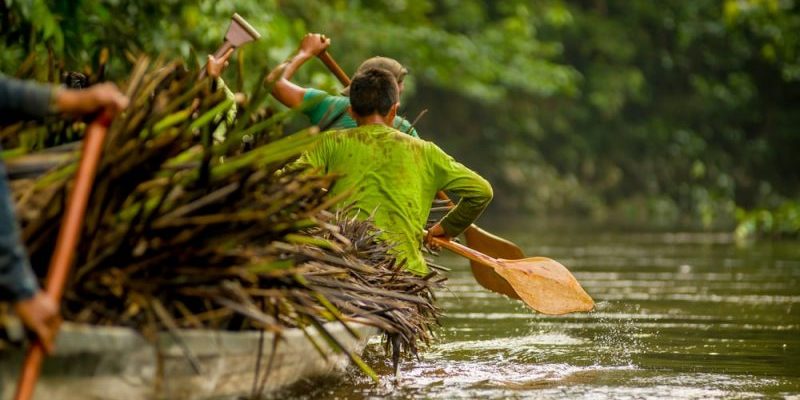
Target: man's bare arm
x=102 y=96
x=286 y=91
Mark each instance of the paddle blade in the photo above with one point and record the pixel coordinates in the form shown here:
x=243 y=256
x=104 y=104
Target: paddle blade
x=492 y=245
x=489 y=279
x=545 y=285
x=496 y=247
x=240 y=32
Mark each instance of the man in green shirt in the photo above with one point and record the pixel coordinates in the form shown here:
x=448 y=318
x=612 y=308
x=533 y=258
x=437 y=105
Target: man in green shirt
x=394 y=176
x=321 y=108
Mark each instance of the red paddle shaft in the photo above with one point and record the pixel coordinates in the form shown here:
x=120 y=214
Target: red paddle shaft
x=68 y=237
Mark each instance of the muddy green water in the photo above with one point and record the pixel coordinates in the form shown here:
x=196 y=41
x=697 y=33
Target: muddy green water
x=679 y=315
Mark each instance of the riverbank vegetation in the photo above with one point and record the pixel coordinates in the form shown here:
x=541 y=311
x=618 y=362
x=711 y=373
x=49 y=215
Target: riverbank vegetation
x=675 y=112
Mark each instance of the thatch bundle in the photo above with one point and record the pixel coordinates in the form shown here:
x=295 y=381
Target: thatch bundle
x=183 y=232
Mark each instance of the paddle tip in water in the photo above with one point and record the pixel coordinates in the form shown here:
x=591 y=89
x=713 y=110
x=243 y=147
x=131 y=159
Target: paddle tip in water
x=545 y=285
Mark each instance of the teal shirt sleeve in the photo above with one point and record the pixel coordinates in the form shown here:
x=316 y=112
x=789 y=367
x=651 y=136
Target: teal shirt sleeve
x=474 y=192
x=324 y=109
x=402 y=125
x=312 y=105
x=321 y=108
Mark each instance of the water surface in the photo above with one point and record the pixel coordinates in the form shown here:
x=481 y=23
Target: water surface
x=679 y=315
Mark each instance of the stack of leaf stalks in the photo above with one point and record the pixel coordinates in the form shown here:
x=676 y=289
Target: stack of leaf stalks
x=183 y=232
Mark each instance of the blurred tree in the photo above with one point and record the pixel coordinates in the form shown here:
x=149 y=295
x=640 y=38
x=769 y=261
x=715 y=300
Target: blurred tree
x=668 y=108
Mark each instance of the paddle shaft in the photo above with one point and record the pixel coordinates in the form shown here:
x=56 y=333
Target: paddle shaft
x=326 y=59
x=217 y=54
x=68 y=235
x=464 y=251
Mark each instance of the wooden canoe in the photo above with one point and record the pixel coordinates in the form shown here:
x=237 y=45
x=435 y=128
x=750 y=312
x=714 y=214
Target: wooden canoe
x=117 y=363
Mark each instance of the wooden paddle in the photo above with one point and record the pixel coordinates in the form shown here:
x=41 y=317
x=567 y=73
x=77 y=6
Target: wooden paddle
x=66 y=243
x=541 y=283
x=477 y=238
x=492 y=246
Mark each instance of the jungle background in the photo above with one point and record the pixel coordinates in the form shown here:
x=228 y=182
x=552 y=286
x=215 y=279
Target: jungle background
x=669 y=112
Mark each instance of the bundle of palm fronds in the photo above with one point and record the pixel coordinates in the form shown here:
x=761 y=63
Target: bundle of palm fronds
x=183 y=232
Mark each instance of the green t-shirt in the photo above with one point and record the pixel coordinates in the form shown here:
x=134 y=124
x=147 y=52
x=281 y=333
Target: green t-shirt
x=322 y=108
x=397 y=176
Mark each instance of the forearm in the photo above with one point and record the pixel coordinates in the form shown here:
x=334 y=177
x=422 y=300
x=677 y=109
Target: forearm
x=295 y=63
x=475 y=194
x=36 y=100
x=464 y=214
x=283 y=89
x=282 y=74
x=66 y=100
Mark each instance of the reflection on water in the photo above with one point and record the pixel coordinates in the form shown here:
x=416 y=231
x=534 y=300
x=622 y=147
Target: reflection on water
x=679 y=315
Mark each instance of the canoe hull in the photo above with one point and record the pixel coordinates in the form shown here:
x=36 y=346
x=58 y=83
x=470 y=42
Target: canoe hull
x=117 y=363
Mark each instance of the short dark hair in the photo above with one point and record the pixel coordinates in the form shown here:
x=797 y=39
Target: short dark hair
x=76 y=80
x=373 y=91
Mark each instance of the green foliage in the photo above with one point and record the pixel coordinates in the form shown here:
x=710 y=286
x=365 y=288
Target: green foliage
x=677 y=109
x=771 y=27
x=781 y=221
x=677 y=103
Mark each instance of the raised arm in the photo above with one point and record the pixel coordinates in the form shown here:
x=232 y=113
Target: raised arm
x=286 y=91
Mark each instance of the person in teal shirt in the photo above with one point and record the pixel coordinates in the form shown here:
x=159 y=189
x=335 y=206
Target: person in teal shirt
x=391 y=176
x=321 y=108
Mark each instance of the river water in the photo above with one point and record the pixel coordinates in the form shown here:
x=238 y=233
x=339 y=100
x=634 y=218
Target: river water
x=679 y=315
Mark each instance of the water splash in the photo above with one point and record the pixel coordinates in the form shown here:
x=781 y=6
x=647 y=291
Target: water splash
x=617 y=338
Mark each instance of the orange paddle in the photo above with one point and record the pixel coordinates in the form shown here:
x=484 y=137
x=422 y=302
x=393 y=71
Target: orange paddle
x=68 y=236
x=541 y=283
